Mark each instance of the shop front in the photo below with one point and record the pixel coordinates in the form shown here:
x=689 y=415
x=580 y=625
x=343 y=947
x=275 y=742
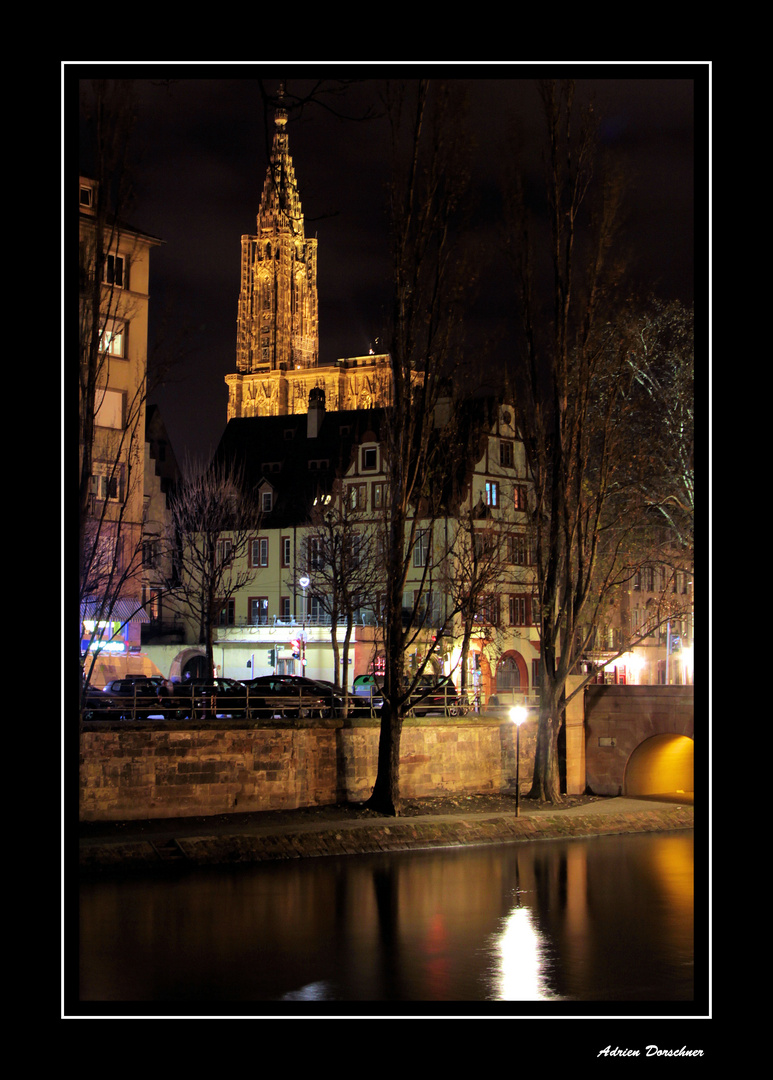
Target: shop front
x=110 y=646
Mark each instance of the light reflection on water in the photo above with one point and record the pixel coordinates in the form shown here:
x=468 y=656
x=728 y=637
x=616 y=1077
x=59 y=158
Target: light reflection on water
x=519 y=972
x=608 y=919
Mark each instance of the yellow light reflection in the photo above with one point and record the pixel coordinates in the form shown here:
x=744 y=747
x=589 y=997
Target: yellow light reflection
x=520 y=974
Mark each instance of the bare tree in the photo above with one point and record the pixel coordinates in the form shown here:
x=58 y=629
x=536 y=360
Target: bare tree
x=474 y=574
x=661 y=355
x=429 y=287
x=340 y=557
x=213 y=520
x=573 y=403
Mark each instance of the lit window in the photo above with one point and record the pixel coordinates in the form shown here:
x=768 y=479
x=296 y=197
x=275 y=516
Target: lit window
x=492 y=493
x=113 y=337
x=109 y=409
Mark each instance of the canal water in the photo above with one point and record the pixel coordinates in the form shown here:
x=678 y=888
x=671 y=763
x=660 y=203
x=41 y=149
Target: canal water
x=602 y=920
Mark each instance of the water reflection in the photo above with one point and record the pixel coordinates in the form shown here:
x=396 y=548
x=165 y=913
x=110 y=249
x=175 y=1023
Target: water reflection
x=607 y=920
x=521 y=971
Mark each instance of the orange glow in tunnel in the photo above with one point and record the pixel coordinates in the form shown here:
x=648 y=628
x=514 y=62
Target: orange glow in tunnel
x=663 y=763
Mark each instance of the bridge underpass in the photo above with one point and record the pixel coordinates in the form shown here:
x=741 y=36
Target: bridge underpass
x=661 y=765
x=638 y=740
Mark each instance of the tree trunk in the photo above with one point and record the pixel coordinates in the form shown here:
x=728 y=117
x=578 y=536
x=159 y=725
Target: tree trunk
x=546 y=784
x=385 y=797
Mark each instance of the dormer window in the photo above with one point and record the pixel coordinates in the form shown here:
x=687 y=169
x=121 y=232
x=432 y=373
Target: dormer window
x=266 y=501
x=369 y=458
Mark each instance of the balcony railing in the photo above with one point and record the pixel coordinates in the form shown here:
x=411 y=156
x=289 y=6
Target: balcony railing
x=362 y=618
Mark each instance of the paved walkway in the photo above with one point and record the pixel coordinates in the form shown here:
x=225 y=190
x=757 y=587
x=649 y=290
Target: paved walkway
x=249 y=838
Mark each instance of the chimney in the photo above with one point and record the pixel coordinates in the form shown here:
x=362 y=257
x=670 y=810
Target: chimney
x=316 y=412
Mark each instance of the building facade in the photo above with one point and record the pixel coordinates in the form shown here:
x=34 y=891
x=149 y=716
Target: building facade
x=114 y=296
x=321 y=478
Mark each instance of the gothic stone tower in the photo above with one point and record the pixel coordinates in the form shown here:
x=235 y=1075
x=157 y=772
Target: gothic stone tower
x=277 y=347
x=277 y=325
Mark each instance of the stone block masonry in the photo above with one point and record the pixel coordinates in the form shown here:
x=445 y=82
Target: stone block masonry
x=134 y=771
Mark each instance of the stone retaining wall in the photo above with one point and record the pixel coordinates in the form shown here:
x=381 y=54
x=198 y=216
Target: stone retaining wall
x=130 y=771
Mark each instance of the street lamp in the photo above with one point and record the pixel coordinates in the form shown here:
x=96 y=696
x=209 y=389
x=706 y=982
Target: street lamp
x=518 y=715
x=304 y=583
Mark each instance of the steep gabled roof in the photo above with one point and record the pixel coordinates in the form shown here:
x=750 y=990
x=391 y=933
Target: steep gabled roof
x=299 y=468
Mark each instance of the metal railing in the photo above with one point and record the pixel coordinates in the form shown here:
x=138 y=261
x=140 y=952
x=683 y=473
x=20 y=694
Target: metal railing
x=506 y=699
x=191 y=702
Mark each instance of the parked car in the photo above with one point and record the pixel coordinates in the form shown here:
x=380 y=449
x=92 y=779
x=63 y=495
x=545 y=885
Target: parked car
x=133 y=697
x=204 y=698
x=433 y=697
x=333 y=695
x=286 y=696
x=366 y=687
x=96 y=706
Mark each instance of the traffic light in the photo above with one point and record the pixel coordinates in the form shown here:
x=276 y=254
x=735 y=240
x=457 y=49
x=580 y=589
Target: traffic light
x=295 y=645
x=272 y=657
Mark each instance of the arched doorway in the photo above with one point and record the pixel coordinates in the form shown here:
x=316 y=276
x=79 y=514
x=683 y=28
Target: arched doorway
x=190 y=663
x=662 y=764
x=512 y=674
x=195 y=668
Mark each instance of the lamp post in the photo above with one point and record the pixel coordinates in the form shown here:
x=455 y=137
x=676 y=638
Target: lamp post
x=518 y=715
x=304 y=583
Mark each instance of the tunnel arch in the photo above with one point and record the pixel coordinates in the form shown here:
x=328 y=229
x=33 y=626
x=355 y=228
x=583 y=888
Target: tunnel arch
x=662 y=763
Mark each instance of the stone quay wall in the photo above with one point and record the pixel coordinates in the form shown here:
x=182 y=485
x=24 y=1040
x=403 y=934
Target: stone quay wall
x=134 y=771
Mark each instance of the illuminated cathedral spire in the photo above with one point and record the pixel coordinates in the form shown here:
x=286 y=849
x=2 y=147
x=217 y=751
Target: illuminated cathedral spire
x=277 y=340
x=277 y=327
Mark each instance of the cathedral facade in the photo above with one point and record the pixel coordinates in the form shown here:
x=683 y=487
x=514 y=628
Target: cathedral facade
x=277 y=347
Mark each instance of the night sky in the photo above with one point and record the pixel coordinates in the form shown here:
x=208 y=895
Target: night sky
x=201 y=152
